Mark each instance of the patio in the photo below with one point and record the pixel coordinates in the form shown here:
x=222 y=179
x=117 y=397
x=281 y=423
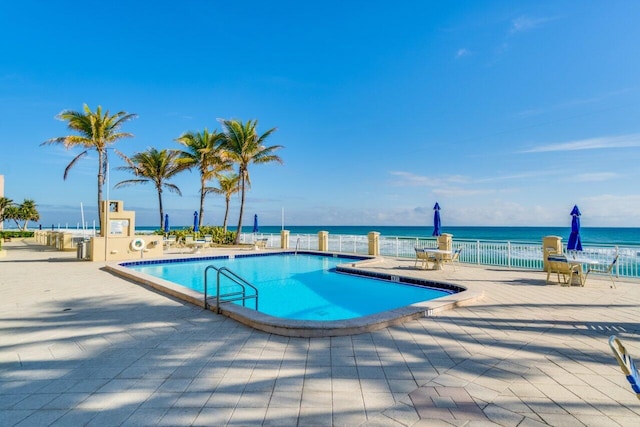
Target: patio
x=83 y=347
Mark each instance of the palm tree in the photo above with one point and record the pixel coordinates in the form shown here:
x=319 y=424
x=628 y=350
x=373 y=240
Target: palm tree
x=228 y=186
x=4 y=203
x=26 y=212
x=244 y=147
x=96 y=131
x=156 y=167
x=203 y=151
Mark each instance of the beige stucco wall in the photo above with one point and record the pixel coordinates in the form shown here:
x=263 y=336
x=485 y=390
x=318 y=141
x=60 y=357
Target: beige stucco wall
x=1 y=193
x=121 y=248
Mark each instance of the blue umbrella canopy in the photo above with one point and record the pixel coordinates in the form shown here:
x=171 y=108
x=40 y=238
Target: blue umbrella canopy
x=195 y=221
x=575 y=244
x=255 y=223
x=436 y=220
x=166 y=223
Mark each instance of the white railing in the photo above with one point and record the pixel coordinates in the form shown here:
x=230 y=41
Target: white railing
x=525 y=255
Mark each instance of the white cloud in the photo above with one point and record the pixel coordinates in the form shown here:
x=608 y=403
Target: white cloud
x=577 y=102
x=462 y=52
x=461 y=192
x=605 y=142
x=408 y=179
x=525 y=23
x=594 y=177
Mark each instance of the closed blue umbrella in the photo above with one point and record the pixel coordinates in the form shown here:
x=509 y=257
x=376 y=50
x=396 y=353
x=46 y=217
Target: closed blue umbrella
x=166 y=223
x=195 y=222
x=574 y=243
x=255 y=223
x=436 y=220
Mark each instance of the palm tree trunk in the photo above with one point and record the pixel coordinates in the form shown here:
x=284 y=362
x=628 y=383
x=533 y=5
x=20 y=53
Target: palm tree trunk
x=161 y=209
x=226 y=214
x=202 y=196
x=101 y=169
x=241 y=211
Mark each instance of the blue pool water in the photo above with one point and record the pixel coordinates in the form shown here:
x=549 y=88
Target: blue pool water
x=302 y=286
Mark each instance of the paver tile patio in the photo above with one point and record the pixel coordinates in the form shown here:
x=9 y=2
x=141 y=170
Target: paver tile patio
x=86 y=347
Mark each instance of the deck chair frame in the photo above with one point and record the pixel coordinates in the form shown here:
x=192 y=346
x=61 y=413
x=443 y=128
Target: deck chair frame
x=626 y=363
x=605 y=270
x=559 y=265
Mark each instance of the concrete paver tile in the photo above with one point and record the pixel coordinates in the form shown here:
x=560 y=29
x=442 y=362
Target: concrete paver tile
x=179 y=417
x=10 y=417
x=281 y=416
x=41 y=417
x=210 y=417
x=315 y=416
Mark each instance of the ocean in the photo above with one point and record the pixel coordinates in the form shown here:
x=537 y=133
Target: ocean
x=589 y=235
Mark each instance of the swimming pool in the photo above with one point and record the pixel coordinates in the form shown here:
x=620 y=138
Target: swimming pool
x=299 y=286
x=455 y=295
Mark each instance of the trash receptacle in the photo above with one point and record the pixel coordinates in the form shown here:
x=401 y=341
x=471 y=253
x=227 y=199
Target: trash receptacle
x=80 y=249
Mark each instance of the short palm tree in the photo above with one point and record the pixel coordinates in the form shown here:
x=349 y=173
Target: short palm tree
x=96 y=131
x=155 y=166
x=25 y=212
x=203 y=151
x=244 y=146
x=228 y=186
x=4 y=203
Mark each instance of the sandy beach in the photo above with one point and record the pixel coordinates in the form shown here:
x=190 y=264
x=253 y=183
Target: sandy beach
x=81 y=346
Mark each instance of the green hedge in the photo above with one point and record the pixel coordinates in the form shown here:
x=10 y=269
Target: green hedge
x=13 y=234
x=219 y=236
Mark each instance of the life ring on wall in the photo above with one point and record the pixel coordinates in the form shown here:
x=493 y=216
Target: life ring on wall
x=137 y=244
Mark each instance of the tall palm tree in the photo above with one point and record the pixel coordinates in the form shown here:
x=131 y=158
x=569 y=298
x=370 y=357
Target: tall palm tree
x=228 y=186
x=203 y=151
x=244 y=147
x=156 y=167
x=96 y=131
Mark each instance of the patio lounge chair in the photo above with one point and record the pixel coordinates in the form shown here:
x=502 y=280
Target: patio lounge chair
x=606 y=270
x=208 y=240
x=626 y=363
x=558 y=264
x=189 y=241
x=170 y=241
x=261 y=243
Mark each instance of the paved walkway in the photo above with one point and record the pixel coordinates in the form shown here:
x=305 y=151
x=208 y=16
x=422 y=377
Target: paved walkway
x=79 y=346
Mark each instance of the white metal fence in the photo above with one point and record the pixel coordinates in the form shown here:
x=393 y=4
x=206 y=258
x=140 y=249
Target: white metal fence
x=526 y=255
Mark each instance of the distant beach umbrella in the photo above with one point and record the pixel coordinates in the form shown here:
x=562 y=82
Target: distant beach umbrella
x=574 y=243
x=166 y=223
x=195 y=222
x=255 y=223
x=436 y=220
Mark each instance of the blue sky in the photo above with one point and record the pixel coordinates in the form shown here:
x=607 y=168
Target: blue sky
x=506 y=113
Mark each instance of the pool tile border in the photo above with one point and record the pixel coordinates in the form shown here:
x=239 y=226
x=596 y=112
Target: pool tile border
x=310 y=328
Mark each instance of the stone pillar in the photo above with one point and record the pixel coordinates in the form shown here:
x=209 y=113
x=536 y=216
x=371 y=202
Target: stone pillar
x=550 y=245
x=284 y=239
x=374 y=243
x=323 y=241
x=445 y=242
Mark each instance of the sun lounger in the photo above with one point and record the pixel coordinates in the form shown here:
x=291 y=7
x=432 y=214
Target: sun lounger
x=169 y=242
x=626 y=363
x=261 y=243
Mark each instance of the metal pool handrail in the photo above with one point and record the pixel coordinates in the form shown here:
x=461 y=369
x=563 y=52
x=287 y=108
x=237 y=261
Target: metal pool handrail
x=224 y=271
